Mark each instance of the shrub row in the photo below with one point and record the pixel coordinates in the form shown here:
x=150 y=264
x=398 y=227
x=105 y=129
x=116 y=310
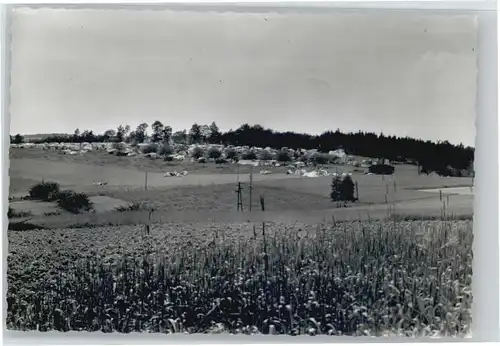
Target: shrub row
x=281 y=156
x=215 y=153
x=68 y=200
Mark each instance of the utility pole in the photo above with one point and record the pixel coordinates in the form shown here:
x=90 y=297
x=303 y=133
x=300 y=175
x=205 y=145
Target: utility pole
x=250 y=188
x=239 y=204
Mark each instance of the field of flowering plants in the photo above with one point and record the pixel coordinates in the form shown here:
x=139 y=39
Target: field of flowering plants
x=343 y=278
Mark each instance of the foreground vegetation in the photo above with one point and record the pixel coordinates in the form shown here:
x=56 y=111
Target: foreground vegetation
x=349 y=278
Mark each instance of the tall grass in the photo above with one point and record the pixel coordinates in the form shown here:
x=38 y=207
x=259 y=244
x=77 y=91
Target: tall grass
x=376 y=278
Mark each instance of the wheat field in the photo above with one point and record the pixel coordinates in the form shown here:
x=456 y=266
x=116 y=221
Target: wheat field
x=373 y=278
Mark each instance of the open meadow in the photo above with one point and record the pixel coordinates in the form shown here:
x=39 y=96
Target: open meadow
x=213 y=196
x=396 y=262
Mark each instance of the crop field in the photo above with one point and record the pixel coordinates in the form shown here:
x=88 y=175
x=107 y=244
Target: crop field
x=351 y=278
x=397 y=262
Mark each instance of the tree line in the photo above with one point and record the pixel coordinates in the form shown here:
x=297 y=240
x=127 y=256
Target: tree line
x=441 y=157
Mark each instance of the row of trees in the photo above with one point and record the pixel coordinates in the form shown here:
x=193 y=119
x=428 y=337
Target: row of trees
x=17 y=139
x=160 y=133
x=442 y=157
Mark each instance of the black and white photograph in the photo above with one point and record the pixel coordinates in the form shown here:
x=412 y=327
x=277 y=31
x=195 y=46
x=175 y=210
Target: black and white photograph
x=253 y=172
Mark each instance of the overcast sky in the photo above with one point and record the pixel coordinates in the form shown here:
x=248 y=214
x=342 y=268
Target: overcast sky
x=397 y=73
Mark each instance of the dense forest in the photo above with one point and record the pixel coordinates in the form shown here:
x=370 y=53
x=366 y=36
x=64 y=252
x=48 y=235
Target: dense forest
x=441 y=157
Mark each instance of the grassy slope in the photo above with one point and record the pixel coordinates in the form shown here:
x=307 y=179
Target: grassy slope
x=285 y=199
x=139 y=163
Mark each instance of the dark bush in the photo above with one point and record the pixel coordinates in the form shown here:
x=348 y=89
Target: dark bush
x=180 y=147
x=214 y=153
x=320 y=159
x=165 y=150
x=168 y=158
x=231 y=154
x=381 y=169
x=73 y=202
x=46 y=191
x=266 y=155
x=197 y=153
x=150 y=148
x=249 y=155
x=118 y=146
x=284 y=156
